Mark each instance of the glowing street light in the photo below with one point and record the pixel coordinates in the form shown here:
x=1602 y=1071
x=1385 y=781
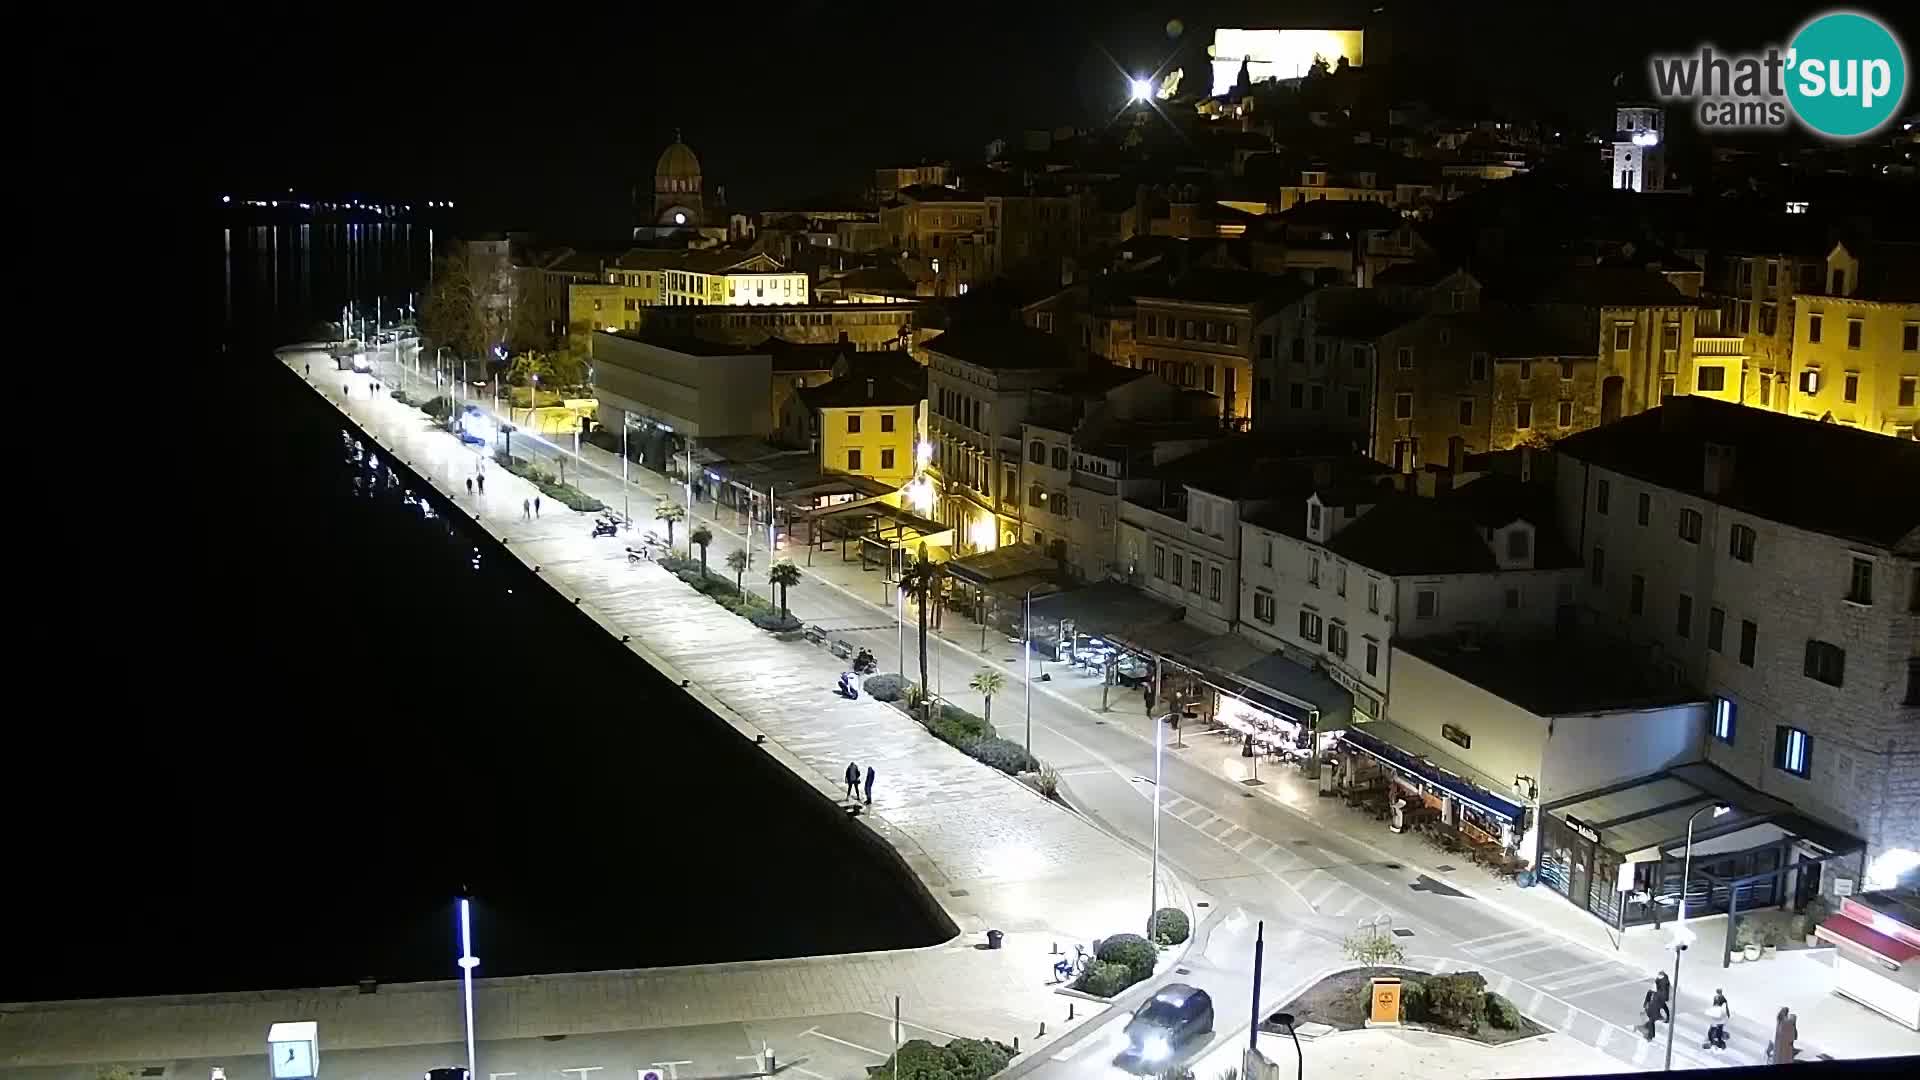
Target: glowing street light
x=1139 y=89
x=468 y=962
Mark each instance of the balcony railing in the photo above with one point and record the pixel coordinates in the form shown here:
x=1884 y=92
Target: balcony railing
x=1719 y=345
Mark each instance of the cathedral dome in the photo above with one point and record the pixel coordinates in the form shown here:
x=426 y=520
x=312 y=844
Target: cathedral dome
x=678 y=163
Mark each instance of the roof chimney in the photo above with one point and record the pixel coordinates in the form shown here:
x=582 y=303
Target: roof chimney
x=869 y=389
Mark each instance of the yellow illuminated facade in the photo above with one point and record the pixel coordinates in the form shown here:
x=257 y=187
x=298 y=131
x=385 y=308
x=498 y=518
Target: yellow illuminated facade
x=1280 y=54
x=595 y=306
x=874 y=441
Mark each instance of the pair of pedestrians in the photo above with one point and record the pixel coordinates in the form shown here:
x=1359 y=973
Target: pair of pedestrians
x=853 y=782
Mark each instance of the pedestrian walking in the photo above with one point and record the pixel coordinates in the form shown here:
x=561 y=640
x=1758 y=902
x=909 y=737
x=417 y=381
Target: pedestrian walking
x=469 y=485
x=482 y=481
x=853 y=780
x=1718 y=1014
x=1650 y=1005
x=869 y=785
x=526 y=510
x=536 y=506
x=1663 y=992
x=1786 y=1028
x=309 y=368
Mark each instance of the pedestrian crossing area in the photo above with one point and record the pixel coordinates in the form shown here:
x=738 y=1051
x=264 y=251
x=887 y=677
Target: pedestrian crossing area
x=1598 y=1001
x=1305 y=871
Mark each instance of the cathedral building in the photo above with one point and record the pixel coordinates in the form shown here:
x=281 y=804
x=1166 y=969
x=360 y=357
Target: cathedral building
x=678 y=203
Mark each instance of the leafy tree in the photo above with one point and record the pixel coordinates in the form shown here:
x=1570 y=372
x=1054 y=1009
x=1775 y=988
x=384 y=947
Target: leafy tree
x=669 y=512
x=785 y=575
x=700 y=537
x=922 y=579
x=987 y=682
x=1373 y=949
x=737 y=562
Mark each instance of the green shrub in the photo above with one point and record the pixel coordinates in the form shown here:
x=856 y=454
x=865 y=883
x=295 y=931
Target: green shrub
x=961 y=1059
x=1046 y=780
x=438 y=407
x=1458 y=1001
x=1413 y=1000
x=1132 y=950
x=885 y=687
x=1502 y=1013
x=1169 y=927
x=1373 y=948
x=1103 y=978
x=1003 y=754
x=775 y=621
x=963 y=725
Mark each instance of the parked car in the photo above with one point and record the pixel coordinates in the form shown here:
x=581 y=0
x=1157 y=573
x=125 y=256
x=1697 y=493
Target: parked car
x=1173 y=1016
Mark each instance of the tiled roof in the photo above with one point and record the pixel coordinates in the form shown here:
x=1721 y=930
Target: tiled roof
x=1411 y=534
x=858 y=389
x=1821 y=477
x=1237 y=287
x=1552 y=676
x=1002 y=346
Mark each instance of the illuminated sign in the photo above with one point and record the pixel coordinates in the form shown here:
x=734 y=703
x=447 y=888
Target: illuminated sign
x=1583 y=829
x=1280 y=54
x=1456 y=736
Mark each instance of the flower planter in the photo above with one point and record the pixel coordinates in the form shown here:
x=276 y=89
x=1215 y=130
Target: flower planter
x=1769 y=950
x=1751 y=952
x=1813 y=940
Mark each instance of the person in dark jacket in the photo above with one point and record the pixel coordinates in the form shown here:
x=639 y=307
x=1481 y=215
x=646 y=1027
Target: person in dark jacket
x=869 y=785
x=853 y=780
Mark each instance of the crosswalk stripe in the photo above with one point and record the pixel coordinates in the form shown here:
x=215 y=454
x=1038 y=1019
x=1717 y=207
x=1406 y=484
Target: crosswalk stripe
x=1474 y=942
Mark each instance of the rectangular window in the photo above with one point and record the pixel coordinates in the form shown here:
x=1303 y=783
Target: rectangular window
x=1373 y=658
x=1263 y=606
x=1426 y=603
x=1193 y=583
x=1723 y=720
x=886 y=421
x=1908 y=385
x=1716 y=629
x=1749 y=641
x=853 y=461
x=1478 y=368
x=853 y=423
x=1637 y=595
x=1309 y=626
x=1860 y=581
x=1404 y=357
x=1313 y=571
x=1712 y=379
x=1267 y=558
x=1850 y=387
x=1175 y=565
x=1622 y=337
x=1403 y=406
x=1337 y=640
x=1566 y=414
x=1213 y=583
x=1690 y=526
x=1683 y=616
x=1373 y=597
x=1340 y=581
x=1523 y=415
x=1740 y=543
x=1813 y=328
x=1855 y=330
x=886 y=461
x=1810 y=381
x=1153 y=326
x=1599 y=566
x=1910 y=337
x=1644 y=512
x=1466 y=411
x=1602 y=496
x=1159 y=562
x=1792 y=751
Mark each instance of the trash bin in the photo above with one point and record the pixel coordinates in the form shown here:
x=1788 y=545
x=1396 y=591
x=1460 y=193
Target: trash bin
x=993 y=939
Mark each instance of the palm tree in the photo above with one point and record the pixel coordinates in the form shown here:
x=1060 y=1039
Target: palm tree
x=700 y=537
x=987 y=682
x=669 y=512
x=737 y=562
x=922 y=579
x=785 y=575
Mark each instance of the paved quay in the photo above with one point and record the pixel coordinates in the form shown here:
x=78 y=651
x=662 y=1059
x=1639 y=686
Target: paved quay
x=991 y=851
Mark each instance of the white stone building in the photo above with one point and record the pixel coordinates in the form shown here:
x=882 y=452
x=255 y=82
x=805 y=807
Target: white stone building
x=1337 y=577
x=1773 y=562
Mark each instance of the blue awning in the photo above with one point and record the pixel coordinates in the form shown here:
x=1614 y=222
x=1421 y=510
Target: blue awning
x=1425 y=770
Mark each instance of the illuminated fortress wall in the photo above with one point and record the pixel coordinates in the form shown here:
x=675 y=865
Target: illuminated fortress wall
x=1280 y=54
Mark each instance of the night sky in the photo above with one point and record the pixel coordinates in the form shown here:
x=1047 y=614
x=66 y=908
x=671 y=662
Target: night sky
x=545 y=121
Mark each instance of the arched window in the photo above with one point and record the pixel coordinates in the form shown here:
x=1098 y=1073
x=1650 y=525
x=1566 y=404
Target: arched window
x=1059 y=457
x=1036 y=496
x=1037 y=452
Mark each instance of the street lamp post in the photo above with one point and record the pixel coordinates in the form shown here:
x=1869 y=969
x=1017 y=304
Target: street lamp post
x=1153 y=890
x=468 y=962
x=1680 y=933
x=1300 y=1061
x=1027 y=634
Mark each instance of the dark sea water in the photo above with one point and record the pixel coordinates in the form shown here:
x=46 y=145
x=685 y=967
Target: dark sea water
x=349 y=708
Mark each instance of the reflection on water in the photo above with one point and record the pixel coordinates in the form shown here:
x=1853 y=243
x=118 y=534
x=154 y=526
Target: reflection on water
x=290 y=276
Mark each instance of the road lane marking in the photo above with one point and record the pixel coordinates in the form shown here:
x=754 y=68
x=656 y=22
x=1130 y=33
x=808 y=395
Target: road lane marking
x=1471 y=943
x=911 y=1024
x=1242 y=845
x=817 y=1033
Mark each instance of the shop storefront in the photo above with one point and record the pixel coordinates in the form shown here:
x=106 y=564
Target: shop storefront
x=1620 y=853
x=1426 y=790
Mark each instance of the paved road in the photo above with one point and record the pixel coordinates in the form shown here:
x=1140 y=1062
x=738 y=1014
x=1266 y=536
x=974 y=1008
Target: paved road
x=1253 y=858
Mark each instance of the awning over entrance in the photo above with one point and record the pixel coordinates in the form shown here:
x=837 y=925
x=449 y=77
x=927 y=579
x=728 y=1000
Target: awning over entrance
x=1643 y=818
x=1291 y=690
x=993 y=569
x=1407 y=753
x=882 y=523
